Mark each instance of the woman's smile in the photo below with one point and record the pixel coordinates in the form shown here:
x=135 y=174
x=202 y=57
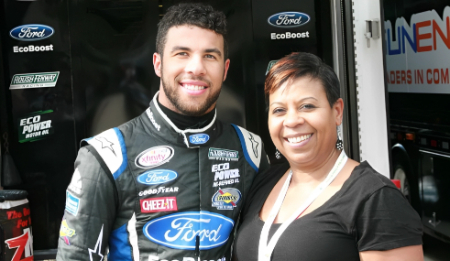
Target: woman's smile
x=298 y=140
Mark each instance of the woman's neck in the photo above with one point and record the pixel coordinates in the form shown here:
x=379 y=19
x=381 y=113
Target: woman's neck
x=312 y=173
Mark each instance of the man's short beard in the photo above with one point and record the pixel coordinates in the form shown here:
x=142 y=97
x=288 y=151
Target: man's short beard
x=171 y=94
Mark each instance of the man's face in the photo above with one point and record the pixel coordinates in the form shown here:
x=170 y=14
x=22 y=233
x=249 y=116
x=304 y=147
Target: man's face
x=191 y=69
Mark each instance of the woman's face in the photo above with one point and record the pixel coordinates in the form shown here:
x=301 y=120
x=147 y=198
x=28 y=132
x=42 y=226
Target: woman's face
x=302 y=124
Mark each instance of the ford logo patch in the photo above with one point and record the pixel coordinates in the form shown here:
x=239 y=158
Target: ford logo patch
x=199 y=138
x=157 y=176
x=288 y=19
x=180 y=230
x=31 y=32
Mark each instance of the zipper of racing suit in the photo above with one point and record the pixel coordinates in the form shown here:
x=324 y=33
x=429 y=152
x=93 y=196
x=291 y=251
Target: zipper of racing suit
x=197 y=238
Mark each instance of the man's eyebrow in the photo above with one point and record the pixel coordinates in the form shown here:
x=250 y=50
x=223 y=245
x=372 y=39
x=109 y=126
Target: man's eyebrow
x=214 y=50
x=209 y=50
x=180 y=48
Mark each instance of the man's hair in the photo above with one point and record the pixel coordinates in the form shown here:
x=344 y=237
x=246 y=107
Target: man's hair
x=203 y=16
x=297 y=65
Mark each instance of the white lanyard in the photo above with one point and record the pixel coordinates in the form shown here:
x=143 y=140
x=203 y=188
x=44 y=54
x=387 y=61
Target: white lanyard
x=265 y=250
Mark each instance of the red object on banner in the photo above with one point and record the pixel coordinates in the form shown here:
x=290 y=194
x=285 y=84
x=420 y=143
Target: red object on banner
x=397 y=183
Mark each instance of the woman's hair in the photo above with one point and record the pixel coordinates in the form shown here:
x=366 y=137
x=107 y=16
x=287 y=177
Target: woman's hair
x=297 y=65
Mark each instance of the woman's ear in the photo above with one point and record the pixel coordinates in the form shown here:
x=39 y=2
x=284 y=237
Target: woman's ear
x=338 y=109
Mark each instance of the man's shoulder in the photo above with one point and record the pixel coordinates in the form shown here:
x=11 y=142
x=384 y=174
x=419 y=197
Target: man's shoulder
x=252 y=146
x=238 y=128
x=110 y=146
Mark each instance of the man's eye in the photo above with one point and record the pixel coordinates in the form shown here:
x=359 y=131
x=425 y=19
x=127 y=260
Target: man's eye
x=209 y=56
x=182 y=54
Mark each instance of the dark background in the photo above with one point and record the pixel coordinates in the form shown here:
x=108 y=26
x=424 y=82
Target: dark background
x=103 y=51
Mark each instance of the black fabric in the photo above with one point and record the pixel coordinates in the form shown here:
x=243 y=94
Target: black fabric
x=184 y=122
x=367 y=213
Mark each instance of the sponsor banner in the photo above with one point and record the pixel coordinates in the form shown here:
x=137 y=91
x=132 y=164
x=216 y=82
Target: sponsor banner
x=16 y=233
x=199 y=138
x=223 y=154
x=35 y=126
x=154 y=157
x=22 y=218
x=418 y=52
x=157 y=191
x=151 y=205
x=226 y=199
x=31 y=32
x=34 y=80
x=22 y=245
x=66 y=232
x=33 y=48
x=288 y=19
x=289 y=35
x=72 y=203
x=180 y=230
x=157 y=176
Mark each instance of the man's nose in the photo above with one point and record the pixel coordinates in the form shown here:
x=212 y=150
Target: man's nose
x=195 y=66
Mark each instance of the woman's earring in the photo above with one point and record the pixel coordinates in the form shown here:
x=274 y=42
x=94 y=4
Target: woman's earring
x=277 y=154
x=339 y=143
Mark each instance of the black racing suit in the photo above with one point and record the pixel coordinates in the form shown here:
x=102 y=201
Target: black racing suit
x=149 y=191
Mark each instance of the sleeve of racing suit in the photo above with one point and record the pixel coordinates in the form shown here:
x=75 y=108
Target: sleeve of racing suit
x=90 y=210
x=265 y=164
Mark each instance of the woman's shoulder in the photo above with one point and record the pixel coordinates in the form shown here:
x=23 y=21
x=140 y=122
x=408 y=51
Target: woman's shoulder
x=265 y=181
x=271 y=175
x=366 y=180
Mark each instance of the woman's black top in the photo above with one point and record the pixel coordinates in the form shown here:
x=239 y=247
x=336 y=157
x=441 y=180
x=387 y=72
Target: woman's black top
x=367 y=213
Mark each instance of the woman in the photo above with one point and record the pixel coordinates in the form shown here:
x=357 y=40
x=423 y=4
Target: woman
x=320 y=206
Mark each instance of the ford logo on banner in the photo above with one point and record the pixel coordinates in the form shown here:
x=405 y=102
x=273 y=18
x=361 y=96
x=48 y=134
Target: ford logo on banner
x=199 y=138
x=180 y=230
x=31 y=32
x=288 y=19
x=157 y=176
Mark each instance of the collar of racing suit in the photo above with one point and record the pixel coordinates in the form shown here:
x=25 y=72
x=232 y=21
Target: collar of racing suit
x=187 y=122
x=166 y=129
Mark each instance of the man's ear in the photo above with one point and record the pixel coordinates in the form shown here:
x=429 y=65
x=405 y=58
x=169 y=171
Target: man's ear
x=157 y=63
x=227 y=64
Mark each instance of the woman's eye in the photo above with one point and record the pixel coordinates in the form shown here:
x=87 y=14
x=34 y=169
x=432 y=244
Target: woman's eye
x=277 y=110
x=308 y=106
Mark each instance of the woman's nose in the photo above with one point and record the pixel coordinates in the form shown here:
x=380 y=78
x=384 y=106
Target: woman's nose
x=293 y=118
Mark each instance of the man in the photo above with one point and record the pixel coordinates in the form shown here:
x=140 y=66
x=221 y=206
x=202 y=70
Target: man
x=169 y=184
